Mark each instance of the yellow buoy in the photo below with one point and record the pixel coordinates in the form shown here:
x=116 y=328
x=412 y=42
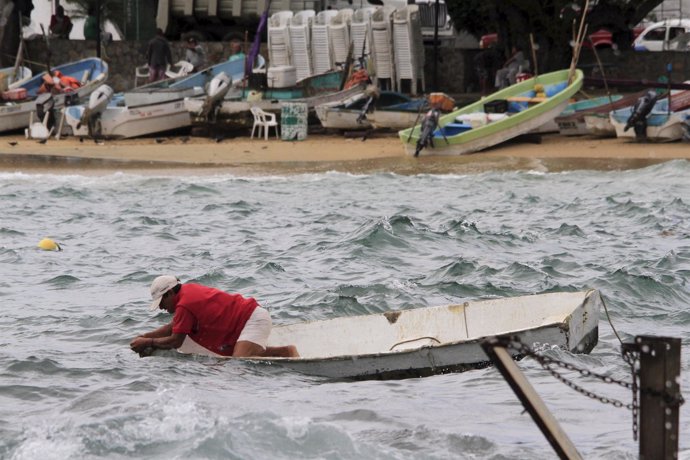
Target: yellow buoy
x=49 y=245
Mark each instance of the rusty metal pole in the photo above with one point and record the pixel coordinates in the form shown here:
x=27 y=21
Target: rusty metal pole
x=659 y=396
x=529 y=398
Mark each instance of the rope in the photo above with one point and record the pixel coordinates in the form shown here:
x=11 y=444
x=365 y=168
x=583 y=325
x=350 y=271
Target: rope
x=414 y=340
x=609 y=319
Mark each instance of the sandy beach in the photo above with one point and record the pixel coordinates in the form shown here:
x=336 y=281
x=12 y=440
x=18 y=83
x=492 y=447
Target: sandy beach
x=382 y=152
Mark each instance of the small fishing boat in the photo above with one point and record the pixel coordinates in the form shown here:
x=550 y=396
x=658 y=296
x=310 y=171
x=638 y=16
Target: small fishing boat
x=597 y=121
x=502 y=116
x=235 y=108
x=571 y=122
x=424 y=341
x=89 y=74
x=665 y=121
x=148 y=109
x=373 y=109
x=15 y=76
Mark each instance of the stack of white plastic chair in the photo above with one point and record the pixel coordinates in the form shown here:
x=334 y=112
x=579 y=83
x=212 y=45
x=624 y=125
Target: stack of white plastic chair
x=407 y=46
x=382 y=46
x=360 y=32
x=300 y=42
x=339 y=35
x=279 y=39
x=321 y=55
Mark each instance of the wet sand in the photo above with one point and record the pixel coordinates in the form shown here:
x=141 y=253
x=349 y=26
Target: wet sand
x=318 y=153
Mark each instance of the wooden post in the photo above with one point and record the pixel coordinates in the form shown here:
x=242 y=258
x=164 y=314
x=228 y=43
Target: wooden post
x=659 y=375
x=530 y=399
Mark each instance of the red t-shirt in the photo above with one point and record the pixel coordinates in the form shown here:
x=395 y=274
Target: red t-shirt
x=212 y=318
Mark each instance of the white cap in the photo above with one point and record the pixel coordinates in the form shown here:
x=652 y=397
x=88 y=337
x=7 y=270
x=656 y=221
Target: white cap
x=160 y=286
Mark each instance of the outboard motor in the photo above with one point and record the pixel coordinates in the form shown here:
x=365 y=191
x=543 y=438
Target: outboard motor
x=638 y=116
x=372 y=92
x=429 y=125
x=45 y=106
x=98 y=101
x=217 y=88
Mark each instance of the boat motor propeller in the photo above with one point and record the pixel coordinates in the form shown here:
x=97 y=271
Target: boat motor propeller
x=429 y=125
x=638 y=116
x=217 y=88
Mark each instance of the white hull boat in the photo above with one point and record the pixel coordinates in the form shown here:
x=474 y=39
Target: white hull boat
x=91 y=72
x=432 y=340
x=149 y=109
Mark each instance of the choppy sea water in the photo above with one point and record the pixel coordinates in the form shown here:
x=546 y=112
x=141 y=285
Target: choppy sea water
x=316 y=246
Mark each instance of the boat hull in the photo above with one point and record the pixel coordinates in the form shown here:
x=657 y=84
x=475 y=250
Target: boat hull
x=432 y=340
x=522 y=122
x=599 y=125
x=124 y=122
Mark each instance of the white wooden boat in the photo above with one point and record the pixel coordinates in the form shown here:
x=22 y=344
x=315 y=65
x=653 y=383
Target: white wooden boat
x=15 y=77
x=91 y=72
x=149 y=109
x=432 y=340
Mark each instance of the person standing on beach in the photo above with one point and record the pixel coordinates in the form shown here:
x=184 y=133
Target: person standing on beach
x=225 y=324
x=194 y=54
x=158 y=56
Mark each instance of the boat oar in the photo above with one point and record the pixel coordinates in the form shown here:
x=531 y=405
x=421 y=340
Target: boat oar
x=534 y=56
x=419 y=114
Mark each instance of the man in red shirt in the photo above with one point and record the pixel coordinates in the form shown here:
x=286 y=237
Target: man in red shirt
x=224 y=324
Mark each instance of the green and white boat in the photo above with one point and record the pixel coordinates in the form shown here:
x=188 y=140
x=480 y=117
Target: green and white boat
x=502 y=116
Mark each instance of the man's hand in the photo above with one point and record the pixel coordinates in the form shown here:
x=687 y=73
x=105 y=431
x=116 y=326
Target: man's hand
x=142 y=345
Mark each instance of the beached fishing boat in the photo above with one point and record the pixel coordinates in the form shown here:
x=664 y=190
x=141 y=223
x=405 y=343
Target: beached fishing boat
x=90 y=73
x=384 y=109
x=665 y=122
x=520 y=110
x=571 y=122
x=431 y=340
x=148 y=109
x=14 y=76
x=235 y=108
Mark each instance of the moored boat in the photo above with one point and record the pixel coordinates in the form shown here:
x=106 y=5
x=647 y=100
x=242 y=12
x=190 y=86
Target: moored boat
x=149 y=109
x=88 y=74
x=372 y=109
x=665 y=122
x=431 y=340
x=522 y=111
x=571 y=122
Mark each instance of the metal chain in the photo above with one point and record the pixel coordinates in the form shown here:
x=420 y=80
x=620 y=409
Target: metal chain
x=547 y=363
x=632 y=359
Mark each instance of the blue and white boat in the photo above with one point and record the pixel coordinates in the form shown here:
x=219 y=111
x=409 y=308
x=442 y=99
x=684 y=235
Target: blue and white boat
x=149 y=109
x=664 y=123
x=90 y=73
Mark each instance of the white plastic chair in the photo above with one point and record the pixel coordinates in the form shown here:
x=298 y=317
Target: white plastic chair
x=179 y=69
x=141 y=72
x=263 y=120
